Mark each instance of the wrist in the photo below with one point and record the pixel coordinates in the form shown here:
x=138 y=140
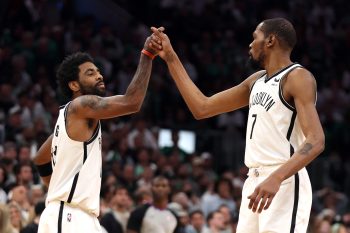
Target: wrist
x=278 y=177
x=148 y=54
x=170 y=56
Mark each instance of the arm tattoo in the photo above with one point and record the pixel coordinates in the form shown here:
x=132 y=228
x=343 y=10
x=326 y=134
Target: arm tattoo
x=93 y=102
x=306 y=148
x=139 y=83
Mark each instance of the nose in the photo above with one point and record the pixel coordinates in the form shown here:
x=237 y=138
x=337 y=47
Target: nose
x=100 y=77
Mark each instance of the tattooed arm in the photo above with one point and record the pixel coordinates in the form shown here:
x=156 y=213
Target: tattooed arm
x=95 y=107
x=300 y=87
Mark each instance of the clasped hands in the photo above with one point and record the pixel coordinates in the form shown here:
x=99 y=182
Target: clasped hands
x=158 y=43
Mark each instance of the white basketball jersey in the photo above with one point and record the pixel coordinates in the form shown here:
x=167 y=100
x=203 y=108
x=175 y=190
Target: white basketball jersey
x=76 y=176
x=273 y=129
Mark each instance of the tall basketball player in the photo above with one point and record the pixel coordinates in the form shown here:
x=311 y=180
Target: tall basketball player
x=283 y=135
x=70 y=160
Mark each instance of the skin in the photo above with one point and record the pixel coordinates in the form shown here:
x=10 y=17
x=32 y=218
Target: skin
x=87 y=108
x=298 y=88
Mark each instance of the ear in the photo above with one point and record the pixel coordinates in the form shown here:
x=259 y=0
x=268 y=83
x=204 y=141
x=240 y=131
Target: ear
x=271 y=40
x=74 y=86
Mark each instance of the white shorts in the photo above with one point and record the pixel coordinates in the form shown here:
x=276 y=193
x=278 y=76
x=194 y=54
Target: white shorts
x=289 y=211
x=58 y=217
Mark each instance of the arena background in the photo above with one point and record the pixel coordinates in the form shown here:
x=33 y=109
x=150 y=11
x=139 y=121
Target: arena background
x=211 y=38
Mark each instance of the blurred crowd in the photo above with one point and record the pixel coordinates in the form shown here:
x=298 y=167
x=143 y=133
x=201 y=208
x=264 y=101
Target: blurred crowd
x=211 y=38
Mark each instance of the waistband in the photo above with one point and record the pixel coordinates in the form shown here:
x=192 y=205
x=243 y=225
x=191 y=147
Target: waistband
x=263 y=170
x=90 y=212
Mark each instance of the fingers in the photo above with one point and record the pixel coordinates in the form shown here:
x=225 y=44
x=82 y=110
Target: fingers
x=155 y=42
x=268 y=203
x=256 y=198
x=262 y=204
x=161 y=29
x=252 y=198
x=158 y=32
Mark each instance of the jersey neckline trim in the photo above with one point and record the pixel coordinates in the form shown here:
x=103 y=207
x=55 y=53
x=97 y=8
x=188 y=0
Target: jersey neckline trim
x=278 y=72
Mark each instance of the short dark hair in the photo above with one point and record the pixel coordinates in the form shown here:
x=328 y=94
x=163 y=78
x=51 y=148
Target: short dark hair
x=223 y=180
x=282 y=29
x=211 y=215
x=69 y=71
x=197 y=211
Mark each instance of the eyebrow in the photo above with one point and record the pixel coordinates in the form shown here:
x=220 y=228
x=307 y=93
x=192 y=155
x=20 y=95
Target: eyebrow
x=91 y=69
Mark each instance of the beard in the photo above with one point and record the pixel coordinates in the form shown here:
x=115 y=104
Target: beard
x=257 y=63
x=92 y=90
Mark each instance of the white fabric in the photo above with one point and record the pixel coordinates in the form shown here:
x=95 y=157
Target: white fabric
x=278 y=217
x=268 y=123
x=68 y=160
x=74 y=220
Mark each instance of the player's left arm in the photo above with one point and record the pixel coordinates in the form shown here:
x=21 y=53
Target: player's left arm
x=42 y=161
x=301 y=87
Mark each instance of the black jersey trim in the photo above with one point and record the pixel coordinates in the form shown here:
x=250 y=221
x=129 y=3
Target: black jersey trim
x=65 y=115
x=280 y=71
x=177 y=227
x=60 y=214
x=251 y=88
x=94 y=135
x=296 y=202
x=291 y=126
x=85 y=152
x=136 y=218
x=74 y=185
x=280 y=91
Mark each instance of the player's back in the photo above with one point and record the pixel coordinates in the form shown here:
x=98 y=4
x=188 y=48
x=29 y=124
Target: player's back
x=76 y=177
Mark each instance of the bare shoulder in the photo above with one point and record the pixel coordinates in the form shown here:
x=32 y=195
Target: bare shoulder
x=252 y=78
x=301 y=76
x=300 y=81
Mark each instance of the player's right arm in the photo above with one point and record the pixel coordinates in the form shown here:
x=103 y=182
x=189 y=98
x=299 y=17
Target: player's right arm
x=200 y=105
x=43 y=158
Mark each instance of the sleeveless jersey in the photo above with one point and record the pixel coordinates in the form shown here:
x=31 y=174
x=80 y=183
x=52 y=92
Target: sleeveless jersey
x=76 y=176
x=273 y=129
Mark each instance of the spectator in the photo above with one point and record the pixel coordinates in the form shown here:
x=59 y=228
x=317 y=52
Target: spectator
x=5 y=224
x=17 y=220
x=197 y=222
x=150 y=217
x=116 y=219
x=33 y=226
x=226 y=212
x=215 y=222
x=223 y=194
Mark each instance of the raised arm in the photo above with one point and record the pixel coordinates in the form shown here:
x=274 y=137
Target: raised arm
x=200 y=105
x=301 y=87
x=42 y=161
x=95 y=107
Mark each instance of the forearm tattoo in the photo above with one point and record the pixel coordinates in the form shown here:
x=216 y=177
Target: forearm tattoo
x=139 y=83
x=305 y=149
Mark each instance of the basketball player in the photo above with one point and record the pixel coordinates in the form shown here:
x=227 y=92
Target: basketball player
x=70 y=160
x=283 y=135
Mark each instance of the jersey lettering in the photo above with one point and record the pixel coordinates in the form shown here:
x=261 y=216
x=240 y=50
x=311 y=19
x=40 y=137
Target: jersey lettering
x=263 y=99
x=56 y=131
